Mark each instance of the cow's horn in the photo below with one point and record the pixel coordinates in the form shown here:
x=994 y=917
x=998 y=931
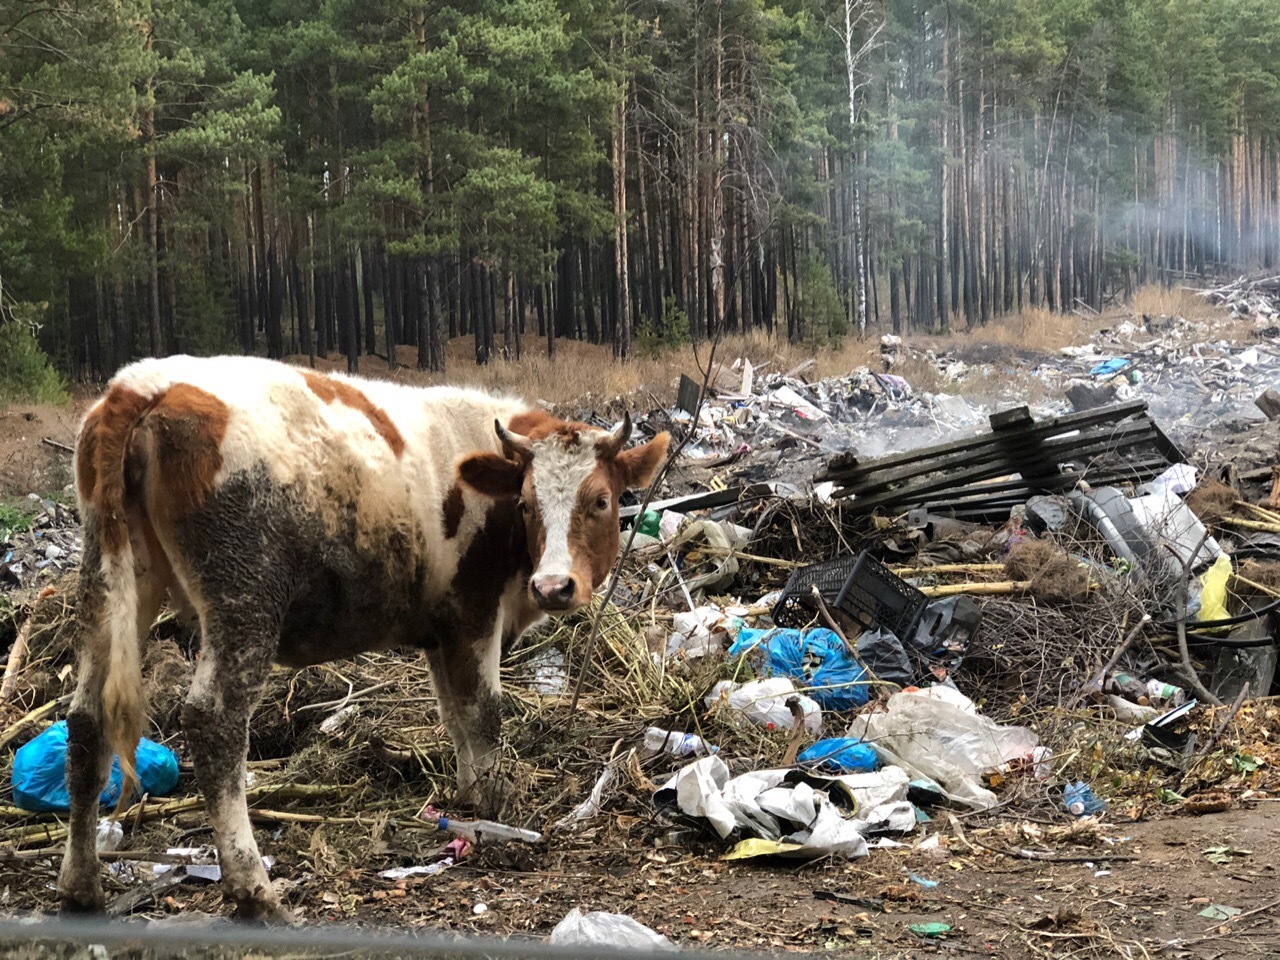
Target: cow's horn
x=513 y=443
x=613 y=442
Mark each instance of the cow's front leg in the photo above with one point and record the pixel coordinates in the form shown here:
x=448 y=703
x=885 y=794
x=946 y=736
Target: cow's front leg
x=465 y=674
x=228 y=683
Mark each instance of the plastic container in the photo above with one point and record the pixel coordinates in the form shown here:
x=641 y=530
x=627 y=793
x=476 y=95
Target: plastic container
x=657 y=740
x=862 y=588
x=1080 y=801
x=110 y=835
x=1164 y=694
x=649 y=521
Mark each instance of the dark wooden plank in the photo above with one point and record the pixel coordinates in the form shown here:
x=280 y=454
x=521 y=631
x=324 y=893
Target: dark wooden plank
x=973 y=449
x=915 y=493
x=1011 y=419
x=849 y=472
x=999 y=462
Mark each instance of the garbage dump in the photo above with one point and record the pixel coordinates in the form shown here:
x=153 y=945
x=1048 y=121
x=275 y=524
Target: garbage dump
x=863 y=621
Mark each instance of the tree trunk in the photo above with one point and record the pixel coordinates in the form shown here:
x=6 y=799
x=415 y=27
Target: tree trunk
x=148 y=129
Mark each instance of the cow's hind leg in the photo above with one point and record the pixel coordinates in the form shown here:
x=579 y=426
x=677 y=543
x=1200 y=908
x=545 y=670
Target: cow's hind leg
x=235 y=659
x=88 y=766
x=88 y=752
x=465 y=675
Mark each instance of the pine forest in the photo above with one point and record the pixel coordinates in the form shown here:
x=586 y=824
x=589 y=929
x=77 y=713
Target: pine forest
x=348 y=177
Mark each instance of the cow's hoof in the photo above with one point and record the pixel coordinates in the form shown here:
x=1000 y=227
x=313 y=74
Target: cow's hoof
x=482 y=798
x=262 y=913
x=84 y=901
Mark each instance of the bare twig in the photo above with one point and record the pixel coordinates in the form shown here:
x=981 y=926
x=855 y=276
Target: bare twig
x=17 y=656
x=1115 y=658
x=1045 y=857
x=1191 y=678
x=848 y=645
x=50 y=442
x=35 y=716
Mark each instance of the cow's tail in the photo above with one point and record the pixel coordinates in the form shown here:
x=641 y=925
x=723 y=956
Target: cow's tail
x=110 y=592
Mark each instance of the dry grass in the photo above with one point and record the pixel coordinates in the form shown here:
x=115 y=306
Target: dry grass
x=1037 y=329
x=586 y=372
x=1156 y=301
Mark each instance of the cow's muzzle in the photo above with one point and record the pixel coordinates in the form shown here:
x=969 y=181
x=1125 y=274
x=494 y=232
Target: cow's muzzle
x=554 y=592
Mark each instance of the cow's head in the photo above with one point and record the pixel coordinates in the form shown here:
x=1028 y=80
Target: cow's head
x=568 y=477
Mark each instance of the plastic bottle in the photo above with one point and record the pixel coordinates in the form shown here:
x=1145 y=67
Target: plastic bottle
x=1080 y=801
x=475 y=830
x=657 y=740
x=648 y=524
x=1165 y=694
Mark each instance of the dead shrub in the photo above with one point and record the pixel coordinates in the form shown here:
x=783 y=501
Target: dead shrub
x=1052 y=574
x=1211 y=501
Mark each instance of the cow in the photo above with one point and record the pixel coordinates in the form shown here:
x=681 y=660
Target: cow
x=299 y=518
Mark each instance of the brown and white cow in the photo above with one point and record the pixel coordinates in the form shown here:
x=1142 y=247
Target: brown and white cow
x=303 y=518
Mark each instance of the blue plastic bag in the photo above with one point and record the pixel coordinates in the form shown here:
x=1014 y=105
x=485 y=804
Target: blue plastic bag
x=40 y=772
x=841 y=755
x=1114 y=365
x=814 y=658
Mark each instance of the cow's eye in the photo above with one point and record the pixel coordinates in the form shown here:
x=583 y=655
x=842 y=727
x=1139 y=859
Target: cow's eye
x=602 y=503
x=524 y=508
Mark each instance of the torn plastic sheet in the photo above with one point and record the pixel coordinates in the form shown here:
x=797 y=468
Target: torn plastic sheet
x=591 y=806
x=938 y=734
x=599 y=929
x=801 y=814
x=200 y=871
x=425 y=870
x=816 y=657
x=716 y=572
x=787 y=397
x=701 y=631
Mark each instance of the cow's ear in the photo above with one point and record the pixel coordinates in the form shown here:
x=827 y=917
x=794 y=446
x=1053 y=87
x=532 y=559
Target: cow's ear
x=639 y=464
x=491 y=474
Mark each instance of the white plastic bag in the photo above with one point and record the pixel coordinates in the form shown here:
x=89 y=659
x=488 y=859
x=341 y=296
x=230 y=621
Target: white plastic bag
x=699 y=632
x=599 y=929
x=764 y=702
x=939 y=739
x=110 y=835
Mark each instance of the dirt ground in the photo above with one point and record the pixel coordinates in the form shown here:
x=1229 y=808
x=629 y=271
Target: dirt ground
x=1140 y=896
x=27 y=463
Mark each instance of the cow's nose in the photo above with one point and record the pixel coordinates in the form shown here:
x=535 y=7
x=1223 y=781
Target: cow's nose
x=552 y=591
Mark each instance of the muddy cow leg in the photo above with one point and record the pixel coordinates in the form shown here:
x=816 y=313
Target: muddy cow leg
x=465 y=675
x=235 y=659
x=88 y=766
x=88 y=753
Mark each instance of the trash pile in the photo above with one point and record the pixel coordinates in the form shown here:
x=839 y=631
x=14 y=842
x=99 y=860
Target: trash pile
x=759 y=426
x=877 y=610
x=41 y=547
x=1250 y=298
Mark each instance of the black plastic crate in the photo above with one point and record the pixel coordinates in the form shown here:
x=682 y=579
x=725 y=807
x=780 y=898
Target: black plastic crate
x=795 y=608
x=861 y=588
